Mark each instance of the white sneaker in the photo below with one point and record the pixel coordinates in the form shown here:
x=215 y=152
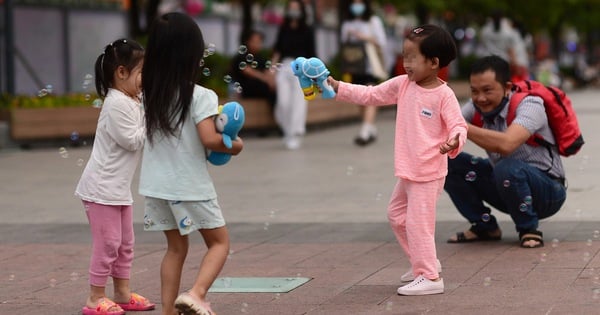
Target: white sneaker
x=293 y=142
x=422 y=286
x=408 y=276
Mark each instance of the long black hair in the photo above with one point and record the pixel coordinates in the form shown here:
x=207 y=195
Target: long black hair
x=122 y=52
x=172 y=63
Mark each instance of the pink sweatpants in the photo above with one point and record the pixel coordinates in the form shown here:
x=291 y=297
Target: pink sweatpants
x=112 y=241
x=411 y=213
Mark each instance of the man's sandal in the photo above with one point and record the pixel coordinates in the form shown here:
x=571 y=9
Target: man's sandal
x=481 y=235
x=533 y=235
x=105 y=307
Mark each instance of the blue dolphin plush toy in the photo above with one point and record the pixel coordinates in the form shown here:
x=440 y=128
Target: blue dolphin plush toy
x=229 y=122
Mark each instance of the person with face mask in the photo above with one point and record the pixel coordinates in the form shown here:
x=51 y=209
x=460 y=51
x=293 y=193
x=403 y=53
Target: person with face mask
x=294 y=39
x=517 y=178
x=362 y=26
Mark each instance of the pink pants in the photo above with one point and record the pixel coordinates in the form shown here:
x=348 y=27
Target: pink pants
x=411 y=213
x=112 y=241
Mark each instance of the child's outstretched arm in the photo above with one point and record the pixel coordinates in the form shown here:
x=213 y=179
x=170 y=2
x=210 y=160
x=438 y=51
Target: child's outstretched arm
x=213 y=140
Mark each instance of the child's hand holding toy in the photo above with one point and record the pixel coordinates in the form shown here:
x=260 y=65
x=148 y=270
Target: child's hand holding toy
x=312 y=75
x=229 y=122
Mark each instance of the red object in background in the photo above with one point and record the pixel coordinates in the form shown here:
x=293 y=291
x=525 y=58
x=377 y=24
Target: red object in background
x=194 y=7
x=399 y=69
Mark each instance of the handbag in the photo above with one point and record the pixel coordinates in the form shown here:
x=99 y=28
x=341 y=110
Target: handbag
x=376 y=61
x=353 y=58
x=376 y=57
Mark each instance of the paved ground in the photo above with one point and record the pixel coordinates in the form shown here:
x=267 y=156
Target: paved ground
x=318 y=212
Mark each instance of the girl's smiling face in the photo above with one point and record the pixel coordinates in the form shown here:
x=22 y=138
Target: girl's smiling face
x=418 y=68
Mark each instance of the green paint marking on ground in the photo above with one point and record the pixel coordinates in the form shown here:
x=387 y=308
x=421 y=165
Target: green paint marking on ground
x=257 y=284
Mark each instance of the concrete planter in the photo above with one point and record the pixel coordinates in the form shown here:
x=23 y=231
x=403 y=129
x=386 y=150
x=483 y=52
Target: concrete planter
x=27 y=124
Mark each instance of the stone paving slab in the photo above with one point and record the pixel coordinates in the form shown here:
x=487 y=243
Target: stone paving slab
x=318 y=212
x=348 y=277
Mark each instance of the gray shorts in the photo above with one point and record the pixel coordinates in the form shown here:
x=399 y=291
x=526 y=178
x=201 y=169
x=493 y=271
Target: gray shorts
x=187 y=216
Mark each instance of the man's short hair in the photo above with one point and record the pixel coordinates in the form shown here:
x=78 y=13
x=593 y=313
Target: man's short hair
x=493 y=63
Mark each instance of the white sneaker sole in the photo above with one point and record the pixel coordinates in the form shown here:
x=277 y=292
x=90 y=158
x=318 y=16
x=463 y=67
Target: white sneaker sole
x=420 y=292
x=422 y=286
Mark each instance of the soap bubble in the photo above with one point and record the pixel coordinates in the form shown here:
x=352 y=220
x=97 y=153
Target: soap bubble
x=87 y=81
x=87 y=97
x=80 y=162
x=595 y=293
x=63 y=152
x=242 y=65
x=506 y=183
x=596 y=234
x=523 y=207
x=74 y=136
x=242 y=50
x=389 y=305
x=201 y=63
x=528 y=200
x=74 y=276
x=211 y=48
x=474 y=160
x=586 y=256
x=555 y=242
x=49 y=88
x=97 y=103
x=42 y=93
x=487 y=281
x=206 y=72
x=349 y=170
x=254 y=64
x=268 y=64
x=471 y=176
x=249 y=57
x=227 y=78
x=485 y=217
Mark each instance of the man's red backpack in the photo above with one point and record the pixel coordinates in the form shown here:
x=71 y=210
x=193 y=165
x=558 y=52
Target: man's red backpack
x=561 y=116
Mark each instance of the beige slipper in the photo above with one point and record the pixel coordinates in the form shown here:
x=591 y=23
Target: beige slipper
x=186 y=304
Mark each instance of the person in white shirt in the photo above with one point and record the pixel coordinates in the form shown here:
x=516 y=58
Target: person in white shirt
x=362 y=26
x=105 y=185
x=179 y=194
x=500 y=38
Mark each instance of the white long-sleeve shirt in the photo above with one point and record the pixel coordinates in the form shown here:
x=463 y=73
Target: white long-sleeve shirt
x=118 y=144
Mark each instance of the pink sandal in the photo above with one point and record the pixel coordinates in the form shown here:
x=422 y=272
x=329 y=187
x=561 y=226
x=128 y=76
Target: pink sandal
x=103 y=307
x=137 y=303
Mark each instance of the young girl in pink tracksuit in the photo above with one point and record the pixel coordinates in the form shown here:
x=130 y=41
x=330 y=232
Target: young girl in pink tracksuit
x=429 y=126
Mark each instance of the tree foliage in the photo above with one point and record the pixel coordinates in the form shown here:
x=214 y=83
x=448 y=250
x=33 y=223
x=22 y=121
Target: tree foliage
x=550 y=15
